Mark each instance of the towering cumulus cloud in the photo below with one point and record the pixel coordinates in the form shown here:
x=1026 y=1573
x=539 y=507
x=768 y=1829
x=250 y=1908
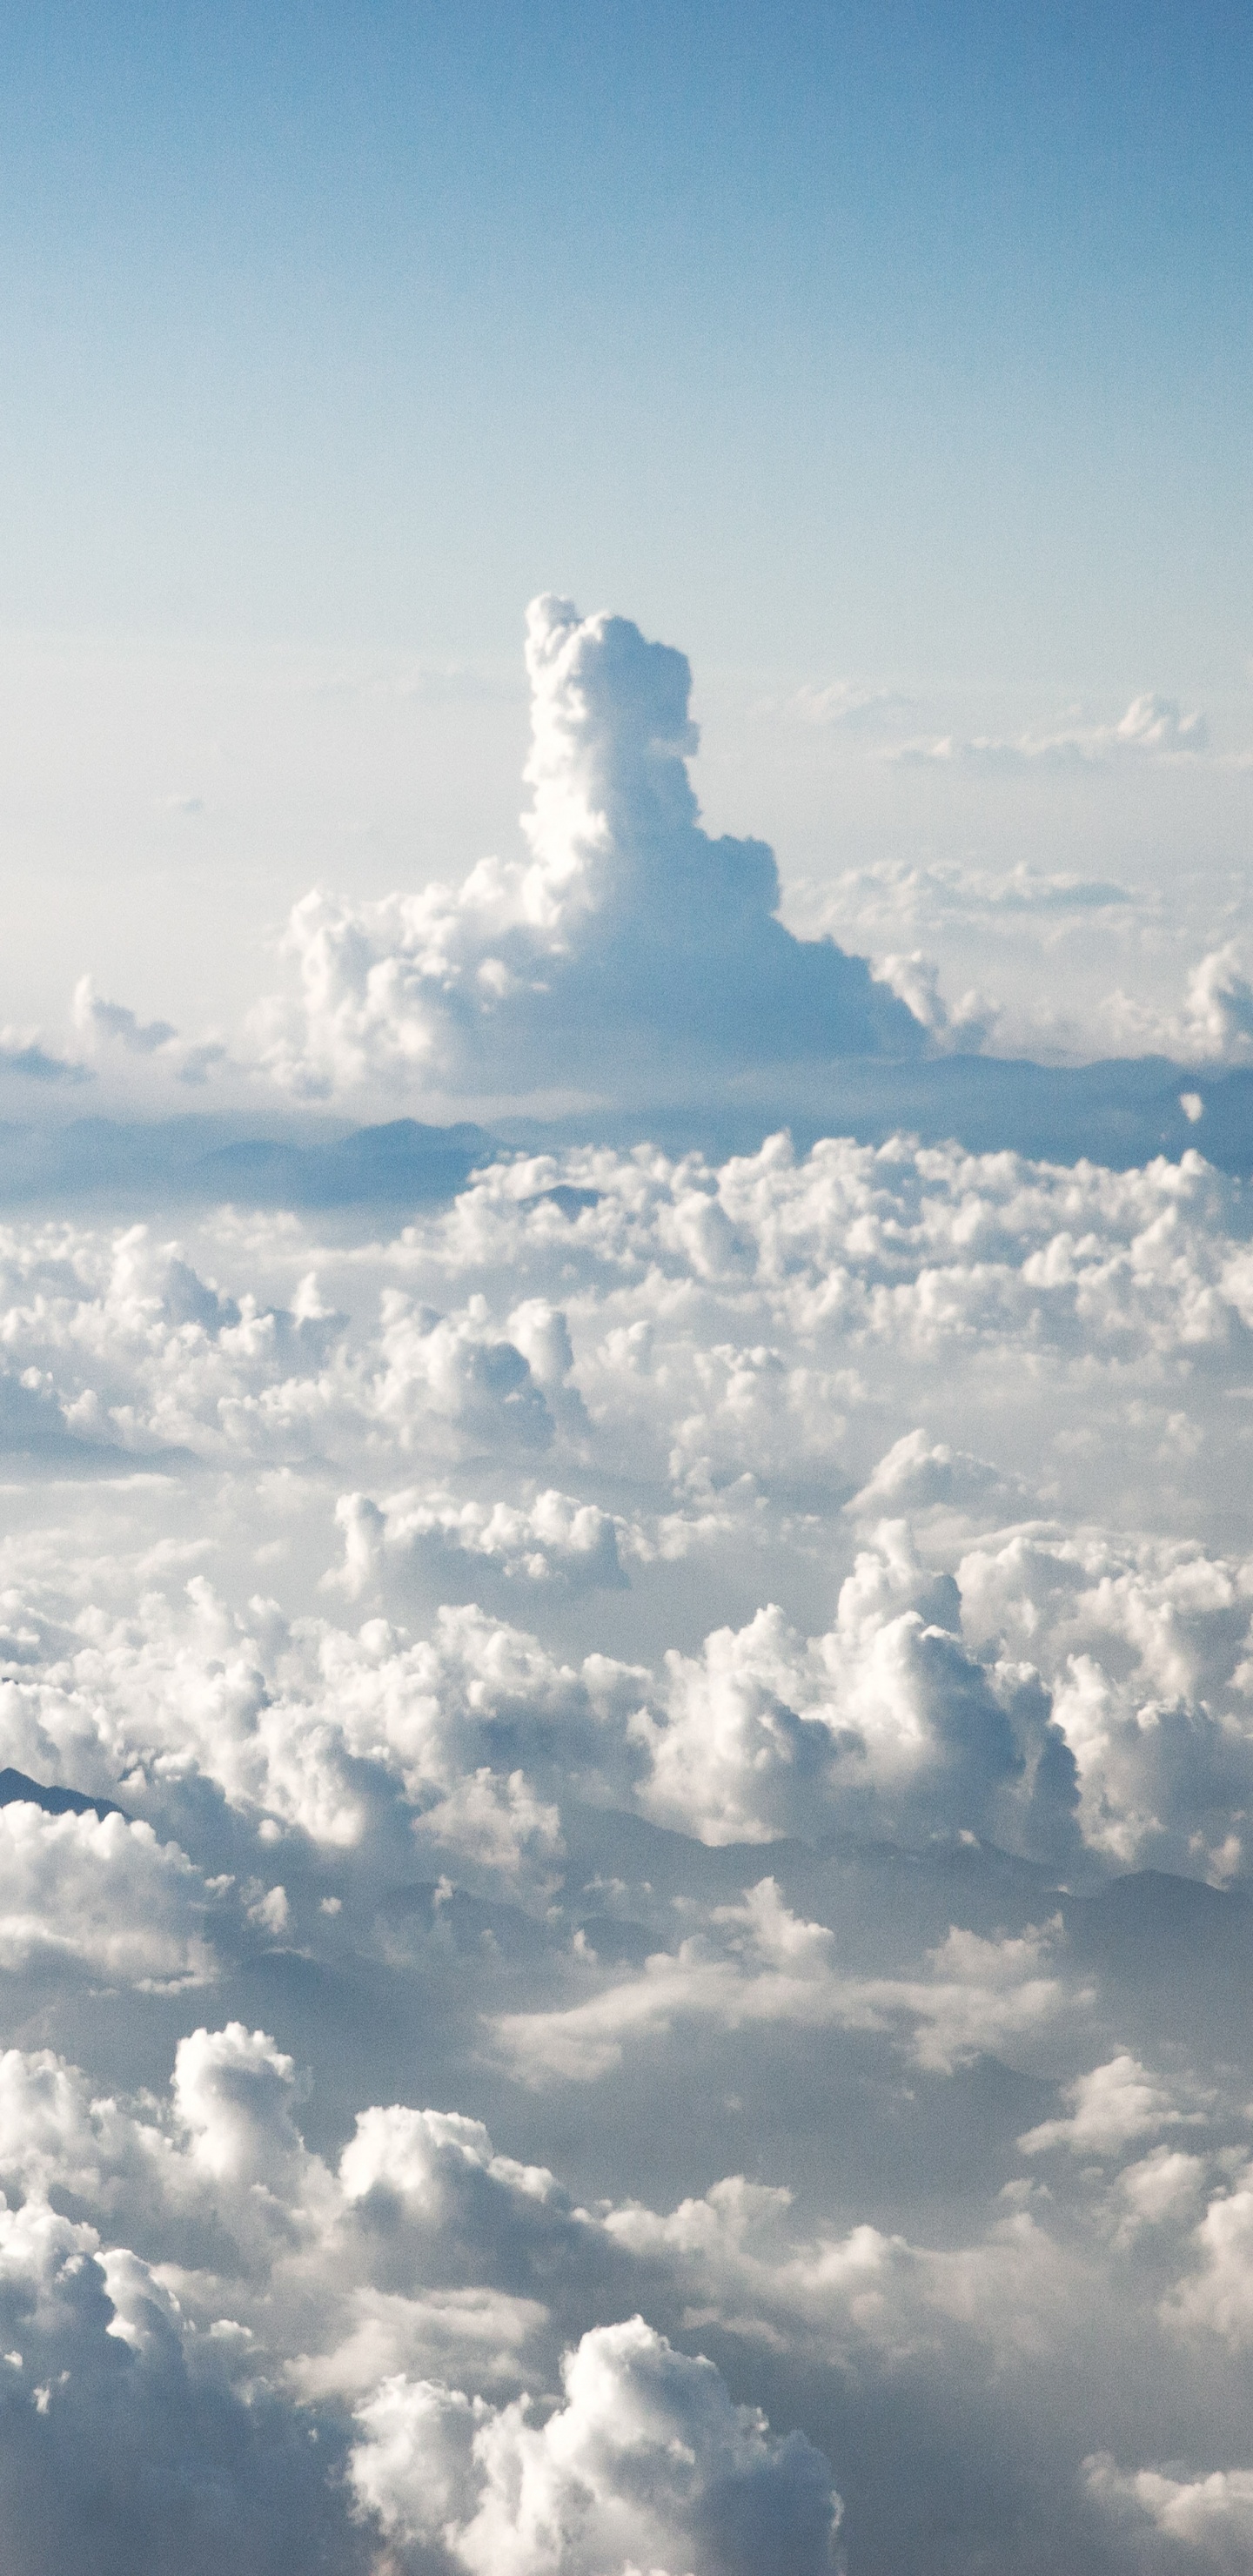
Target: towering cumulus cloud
x=627 y=926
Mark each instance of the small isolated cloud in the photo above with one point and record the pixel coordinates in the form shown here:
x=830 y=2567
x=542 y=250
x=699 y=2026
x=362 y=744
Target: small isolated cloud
x=104 y=1024
x=960 y=1030
x=627 y=927
x=1212 y=1025
x=94 y=1017
x=851 y=704
x=1153 y=728
x=22 y=1053
x=1110 y=2107
x=920 y=1475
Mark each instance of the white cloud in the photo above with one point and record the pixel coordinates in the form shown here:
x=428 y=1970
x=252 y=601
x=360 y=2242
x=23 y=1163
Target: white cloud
x=646 y=2464
x=102 y=1894
x=735 y=1668
x=756 y=1963
x=551 y=1538
x=919 y=1475
x=964 y=1028
x=855 y=703
x=1216 y=2298
x=1210 y=2515
x=1153 y=727
x=773 y=1828
x=624 y=916
x=1108 y=2108
x=1212 y=1025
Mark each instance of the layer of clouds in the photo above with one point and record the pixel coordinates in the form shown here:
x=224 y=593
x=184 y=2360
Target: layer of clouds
x=727 y=1345
x=1152 y=728
x=668 y=1944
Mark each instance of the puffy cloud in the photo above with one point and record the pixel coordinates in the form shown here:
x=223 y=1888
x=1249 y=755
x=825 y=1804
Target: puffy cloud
x=1210 y=2515
x=287 y=1719
x=257 y=2275
x=1162 y=2190
x=646 y=2464
x=456 y=1369
x=1217 y=2296
x=624 y=916
x=102 y=1893
x=919 y=1475
x=886 y=1717
x=1108 y=2108
x=708 y=1661
x=732 y=1343
x=495 y=1829
x=1212 y=1025
x=774 y=1828
x=551 y=1538
x=1143 y=1645
x=862 y=2298
x=963 y=1028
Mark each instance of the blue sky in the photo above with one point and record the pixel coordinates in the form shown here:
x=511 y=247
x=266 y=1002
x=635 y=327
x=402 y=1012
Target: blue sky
x=909 y=338
x=897 y=348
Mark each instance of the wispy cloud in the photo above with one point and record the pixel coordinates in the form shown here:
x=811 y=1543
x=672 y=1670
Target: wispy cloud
x=1153 y=728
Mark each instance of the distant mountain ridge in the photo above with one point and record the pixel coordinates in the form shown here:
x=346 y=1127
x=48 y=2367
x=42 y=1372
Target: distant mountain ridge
x=17 y=1790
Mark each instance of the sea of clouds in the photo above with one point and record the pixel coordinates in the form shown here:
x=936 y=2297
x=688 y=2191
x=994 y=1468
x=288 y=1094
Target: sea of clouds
x=626 y=1858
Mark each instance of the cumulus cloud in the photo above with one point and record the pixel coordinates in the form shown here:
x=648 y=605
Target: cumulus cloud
x=1108 y=2108
x=920 y=1475
x=1210 y=2515
x=625 y=916
x=961 y=1028
x=550 y=1539
x=727 y=1340
x=263 y=2281
x=690 y=1660
x=1212 y=1025
x=886 y=1716
x=100 y=1892
x=647 y=2464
